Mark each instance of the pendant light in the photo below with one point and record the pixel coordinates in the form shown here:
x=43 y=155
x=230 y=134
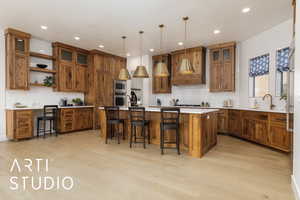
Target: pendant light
x=161 y=69
x=141 y=71
x=185 y=67
x=124 y=74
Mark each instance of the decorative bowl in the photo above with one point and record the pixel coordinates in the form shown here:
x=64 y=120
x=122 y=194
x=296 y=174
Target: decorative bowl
x=43 y=66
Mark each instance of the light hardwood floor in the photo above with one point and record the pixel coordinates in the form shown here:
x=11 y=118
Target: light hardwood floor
x=233 y=170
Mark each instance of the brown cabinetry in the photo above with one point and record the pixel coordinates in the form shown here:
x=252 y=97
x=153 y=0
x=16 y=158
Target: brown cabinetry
x=17 y=59
x=279 y=137
x=222 y=67
x=19 y=124
x=83 y=118
x=72 y=65
x=209 y=131
x=104 y=69
x=222 y=125
x=196 y=57
x=75 y=119
x=161 y=85
x=261 y=127
x=234 y=122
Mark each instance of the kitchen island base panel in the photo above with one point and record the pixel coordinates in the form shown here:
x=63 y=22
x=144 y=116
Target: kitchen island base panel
x=198 y=132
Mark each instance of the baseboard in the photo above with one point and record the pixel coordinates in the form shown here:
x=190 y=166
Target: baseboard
x=295 y=188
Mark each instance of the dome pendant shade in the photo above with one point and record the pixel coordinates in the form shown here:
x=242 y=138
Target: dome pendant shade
x=161 y=70
x=140 y=72
x=186 y=67
x=124 y=74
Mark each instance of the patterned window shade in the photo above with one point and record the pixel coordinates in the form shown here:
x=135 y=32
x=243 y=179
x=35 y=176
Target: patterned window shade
x=259 y=65
x=282 y=59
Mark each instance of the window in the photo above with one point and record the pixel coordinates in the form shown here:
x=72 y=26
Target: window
x=282 y=67
x=259 y=76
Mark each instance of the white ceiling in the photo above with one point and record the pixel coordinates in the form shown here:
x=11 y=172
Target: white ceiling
x=105 y=21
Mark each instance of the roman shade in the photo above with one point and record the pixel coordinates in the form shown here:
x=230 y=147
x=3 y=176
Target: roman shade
x=259 y=66
x=282 y=59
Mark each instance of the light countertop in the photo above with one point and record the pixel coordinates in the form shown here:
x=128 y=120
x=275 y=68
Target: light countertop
x=232 y=108
x=206 y=109
x=182 y=110
x=40 y=108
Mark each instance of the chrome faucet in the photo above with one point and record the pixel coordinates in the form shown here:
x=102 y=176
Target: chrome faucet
x=271 y=101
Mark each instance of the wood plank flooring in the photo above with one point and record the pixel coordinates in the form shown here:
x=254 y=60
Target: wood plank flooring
x=233 y=170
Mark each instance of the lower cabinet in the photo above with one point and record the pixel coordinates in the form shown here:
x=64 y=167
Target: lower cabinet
x=222 y=125
x=83 y=119
x=279 y=137
x=19 y=124
x=75 y=119
x=234 y=122
x=261 y=127
x=209 y=131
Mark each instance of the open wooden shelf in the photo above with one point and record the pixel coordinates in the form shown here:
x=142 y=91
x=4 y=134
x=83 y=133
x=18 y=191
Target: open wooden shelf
x=40 y=85
x=36 y=69
x=39 y=55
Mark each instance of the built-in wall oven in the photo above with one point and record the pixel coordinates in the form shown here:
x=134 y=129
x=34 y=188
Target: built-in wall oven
x=120 y=93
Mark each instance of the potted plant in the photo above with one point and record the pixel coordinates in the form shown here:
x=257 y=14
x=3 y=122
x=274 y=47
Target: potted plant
x=48 y=81
x=77 y=101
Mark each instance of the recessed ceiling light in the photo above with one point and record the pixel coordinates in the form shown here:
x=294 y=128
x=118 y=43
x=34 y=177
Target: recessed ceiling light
x=180 y=43
x=245 y=10
x=217 y=31
x=44 y=27
x=127 y=54
x=77 y=38
x=101 y=46
x=151 y=50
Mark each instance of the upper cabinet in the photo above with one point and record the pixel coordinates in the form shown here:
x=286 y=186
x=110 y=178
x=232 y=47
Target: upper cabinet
x=222 y=67
x=17 y=59
x=196 y=57
x=161 y=85
x=71 y=64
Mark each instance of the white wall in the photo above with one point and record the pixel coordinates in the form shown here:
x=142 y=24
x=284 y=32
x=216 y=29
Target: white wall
x=269 y=41
x=36 y=96
x=2 y=85
x=296 y=154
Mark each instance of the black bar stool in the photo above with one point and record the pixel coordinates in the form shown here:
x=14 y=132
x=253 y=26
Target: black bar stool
x=169 y=121
x=50 y=114
x=137 y=119
x=112 y=121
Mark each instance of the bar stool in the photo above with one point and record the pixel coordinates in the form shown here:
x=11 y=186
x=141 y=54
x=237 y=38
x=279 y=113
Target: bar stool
x=169 y=121
x=112 y=120
x=137 y=119
x=50 y=114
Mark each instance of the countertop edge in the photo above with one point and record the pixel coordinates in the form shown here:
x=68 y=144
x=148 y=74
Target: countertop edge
x=40 y=108
x=219 y=108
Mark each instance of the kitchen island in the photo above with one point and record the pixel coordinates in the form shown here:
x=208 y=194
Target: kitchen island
x=198 y=128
